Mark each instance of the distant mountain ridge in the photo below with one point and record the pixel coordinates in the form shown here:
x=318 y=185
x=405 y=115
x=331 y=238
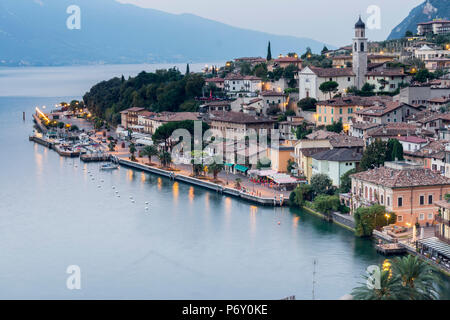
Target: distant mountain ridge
x=34 y=32
x=427 y=11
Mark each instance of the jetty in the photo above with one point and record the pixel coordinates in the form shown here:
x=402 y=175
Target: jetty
x=95 y=157
x=201 y=183
x=390 y=249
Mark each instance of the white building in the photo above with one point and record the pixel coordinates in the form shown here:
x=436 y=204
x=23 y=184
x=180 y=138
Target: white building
x=310 y=79
x=236 y=84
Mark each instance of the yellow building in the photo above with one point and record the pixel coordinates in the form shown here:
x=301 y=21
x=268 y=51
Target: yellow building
x=339 y=109
x=280 y=156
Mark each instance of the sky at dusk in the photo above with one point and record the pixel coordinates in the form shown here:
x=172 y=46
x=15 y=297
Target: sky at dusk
x=330 y=21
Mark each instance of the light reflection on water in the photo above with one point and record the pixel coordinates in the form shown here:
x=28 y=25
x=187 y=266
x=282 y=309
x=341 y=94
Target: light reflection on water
x=203 y=246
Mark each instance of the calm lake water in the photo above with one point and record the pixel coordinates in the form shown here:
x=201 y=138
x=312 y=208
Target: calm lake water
x=190 y=244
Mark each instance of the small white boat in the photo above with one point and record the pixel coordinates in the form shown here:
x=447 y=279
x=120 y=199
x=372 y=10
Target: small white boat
x=109 y=166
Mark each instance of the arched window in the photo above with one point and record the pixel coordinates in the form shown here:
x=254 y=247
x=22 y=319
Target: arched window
x=362 y=46
x=356 y=46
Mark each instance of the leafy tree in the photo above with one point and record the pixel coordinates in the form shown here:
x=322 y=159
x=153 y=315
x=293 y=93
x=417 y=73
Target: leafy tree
x=367 y=90
x=335 y=127
x=346 y=181
x=269 y=52
x=132 y=150
x=324 y=50
x=369 y=218
x=112 y=145
x=329 y=87
x=150 y=151
x=246 y=68
x=301 y=193
x=394 y=150
x=374 y=155
x=423 y=75
x=260 y=70
x=321 y=183
x=326 y=204
x=263 y=163
x=307 y=104
x=302 y=131
x=290 y=165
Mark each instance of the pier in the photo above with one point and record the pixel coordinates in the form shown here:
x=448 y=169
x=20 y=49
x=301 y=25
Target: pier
x=201 y=183
x=390 y=249
x=95 y=157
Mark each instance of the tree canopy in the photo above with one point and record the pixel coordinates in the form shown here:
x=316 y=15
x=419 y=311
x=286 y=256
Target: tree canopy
x=162 y=90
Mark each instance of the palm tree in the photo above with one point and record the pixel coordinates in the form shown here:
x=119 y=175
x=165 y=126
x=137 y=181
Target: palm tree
x=165 y=158
x=197 y=162
x=150 y=151
x=409 y=278
x=417 y=278
x=237 y=183
x=132 y=151
x=215 y=168
x=389 y=289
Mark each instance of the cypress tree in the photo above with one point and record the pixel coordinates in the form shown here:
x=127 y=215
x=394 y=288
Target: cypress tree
x=269 y=52
x=187 y=69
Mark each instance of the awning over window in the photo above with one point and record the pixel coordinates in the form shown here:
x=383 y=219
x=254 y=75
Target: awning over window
x=437 y=245
x=229 y=164
x=240 y=168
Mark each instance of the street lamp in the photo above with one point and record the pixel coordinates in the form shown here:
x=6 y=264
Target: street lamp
x=387 y=218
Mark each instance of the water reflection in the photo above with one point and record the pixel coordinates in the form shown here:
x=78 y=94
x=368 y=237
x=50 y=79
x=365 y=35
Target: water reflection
x=175 y=192
x=191 y=194
x=253 y=212
x=159 y=183
x=130 y=175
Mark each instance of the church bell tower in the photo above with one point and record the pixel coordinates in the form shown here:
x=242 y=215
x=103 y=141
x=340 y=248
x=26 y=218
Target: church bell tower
x=360 y=54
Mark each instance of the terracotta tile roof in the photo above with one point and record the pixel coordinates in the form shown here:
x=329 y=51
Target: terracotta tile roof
x=340 y=154
x=398 y=129
x=386 y=73
x=435 y=149
x=336 y=140
x=237 y=117
x=365 y=125
x=440 y=100
x=308 y=152
x=378 y=111
x=272 y=94
x=333 y=72
x=147 y=114
x=343 y=140
x=320 y=135
x=395 y=178
x=176 y=116
x=442 y=116
x=215 y=80
x=288 y=59
x=347 y=101
x=218 y=103
x=135 y=109
x=412 y=139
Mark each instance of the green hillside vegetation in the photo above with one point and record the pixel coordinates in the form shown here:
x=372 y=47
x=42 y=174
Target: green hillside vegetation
x=163 y=90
